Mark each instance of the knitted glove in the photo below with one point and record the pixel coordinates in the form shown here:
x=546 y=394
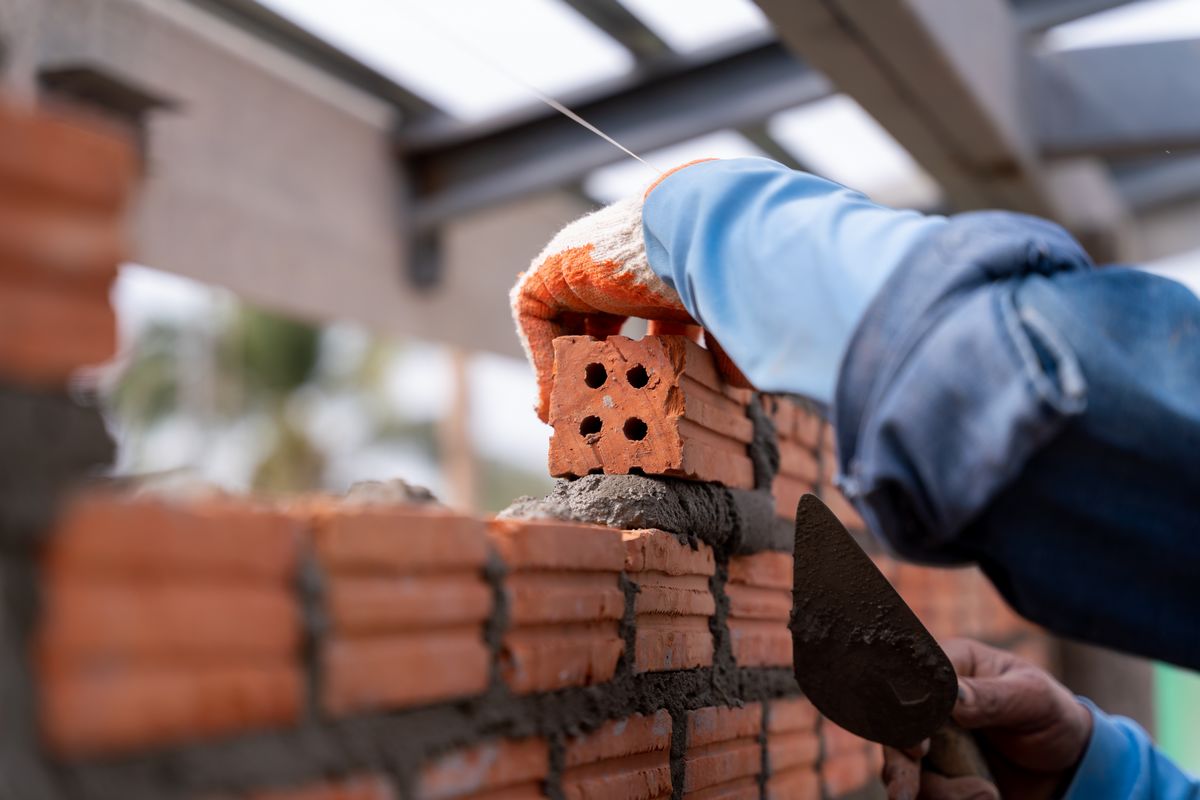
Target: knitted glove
x=590 y=278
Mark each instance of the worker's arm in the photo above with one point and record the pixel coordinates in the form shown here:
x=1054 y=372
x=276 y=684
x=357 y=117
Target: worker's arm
x=998 y=399
x=1121 y=763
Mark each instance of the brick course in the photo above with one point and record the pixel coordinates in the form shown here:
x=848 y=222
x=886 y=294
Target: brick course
x=565 y=603
x=724 y=750
x=674 y=602
x=760 y=602
x=497 y=770
x=627 y=758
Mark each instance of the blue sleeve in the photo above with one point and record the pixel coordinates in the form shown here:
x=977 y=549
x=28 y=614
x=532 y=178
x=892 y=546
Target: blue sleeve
x=779 y=265
x=1121 y=763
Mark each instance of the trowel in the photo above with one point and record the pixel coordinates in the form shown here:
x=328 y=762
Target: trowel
x=861 y=655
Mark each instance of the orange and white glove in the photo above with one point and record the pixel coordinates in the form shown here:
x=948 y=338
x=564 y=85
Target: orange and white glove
x=589 y=279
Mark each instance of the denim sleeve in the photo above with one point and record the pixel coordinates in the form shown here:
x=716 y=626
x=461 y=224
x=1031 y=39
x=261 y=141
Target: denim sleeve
x=1121 y=763
x=1005 y=402
x=778 y=265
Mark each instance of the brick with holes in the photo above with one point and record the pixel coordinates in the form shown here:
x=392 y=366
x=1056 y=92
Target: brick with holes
x=656 y=405
x=674 y=603
x=628 y=758
x=564 y=600
x=760 y=602
x=724 y=752
x=406 y=600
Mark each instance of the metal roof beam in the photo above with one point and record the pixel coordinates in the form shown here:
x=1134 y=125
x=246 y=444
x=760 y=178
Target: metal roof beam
x=1119 y=101
x=1035 y=16
x=623 y=25
x=458 y=171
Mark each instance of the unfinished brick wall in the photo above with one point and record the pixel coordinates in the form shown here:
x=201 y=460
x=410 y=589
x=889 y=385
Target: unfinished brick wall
x=206 y=647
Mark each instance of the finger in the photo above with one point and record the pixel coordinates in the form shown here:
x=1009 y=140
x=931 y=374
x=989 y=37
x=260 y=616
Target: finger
x=939 y=787
x=901 y=774
x=1010 y=700
x=975 y=659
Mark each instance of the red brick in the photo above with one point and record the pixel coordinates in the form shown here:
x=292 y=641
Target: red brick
x=404 y=670
x=722 y=723
x=741 y=789
x=357 y=788
x=798 y=462
x=548 y=657
x=564 y=603
x=382 y=604
x=90 y=620
x=839 y=741
x=548 y=544
x=842 y=508
x=674 y=601
x=791 y=714
x=229 y=540
x=395 y=539
x=53 y=245
x=691 y=426
x=659 y=551
x=787 y=751
x=56 y=154
x=47 y=333
x=760 y=603
x=787 y=492
x=760 y=644
x=551 y=597
x=627 y=758
x=102 y=711
x=767 y=569
x=846 y=773
x=721 y=763
x=797 y=784
x=671 y=643
x=508 y=769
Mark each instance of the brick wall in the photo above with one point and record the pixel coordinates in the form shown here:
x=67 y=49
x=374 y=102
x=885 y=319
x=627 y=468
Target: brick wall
x=362 y=648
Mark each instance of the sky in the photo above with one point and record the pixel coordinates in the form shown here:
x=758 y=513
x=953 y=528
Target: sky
x=473 y=57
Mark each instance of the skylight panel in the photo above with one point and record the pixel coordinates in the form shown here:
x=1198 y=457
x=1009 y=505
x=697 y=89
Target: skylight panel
x=697 y=24
x=1147 y=21
x=456 y=52
x=628 y=177
x=837 y=139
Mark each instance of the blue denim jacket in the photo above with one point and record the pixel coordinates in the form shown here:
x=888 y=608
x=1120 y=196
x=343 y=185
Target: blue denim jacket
x=999 y=399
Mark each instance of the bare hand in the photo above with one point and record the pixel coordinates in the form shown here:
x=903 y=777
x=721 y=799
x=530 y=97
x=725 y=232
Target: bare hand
x=1031 y=728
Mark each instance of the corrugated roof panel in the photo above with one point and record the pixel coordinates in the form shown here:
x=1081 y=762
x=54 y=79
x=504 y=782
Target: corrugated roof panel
x=455 y=52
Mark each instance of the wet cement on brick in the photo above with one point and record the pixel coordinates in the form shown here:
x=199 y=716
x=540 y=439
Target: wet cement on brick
x=764 y=447
x=736 y=520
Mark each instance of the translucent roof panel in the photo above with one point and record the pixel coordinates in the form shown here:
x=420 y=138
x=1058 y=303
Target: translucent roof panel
x=1146 y=21
x=698 y=23
x=628 y=177
x=456 y=52
x=837 y=139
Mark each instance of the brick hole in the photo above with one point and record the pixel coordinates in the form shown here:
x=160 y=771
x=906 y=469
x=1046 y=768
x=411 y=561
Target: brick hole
x=635 y=429
x=637 y=376
x=592 y=425
x=636 y=471
x=594 y=375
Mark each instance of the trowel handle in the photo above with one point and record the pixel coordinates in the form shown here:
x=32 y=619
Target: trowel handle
x=953 y=752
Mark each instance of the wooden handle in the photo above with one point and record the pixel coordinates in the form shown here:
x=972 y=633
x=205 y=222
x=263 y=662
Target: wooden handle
x=953 y=752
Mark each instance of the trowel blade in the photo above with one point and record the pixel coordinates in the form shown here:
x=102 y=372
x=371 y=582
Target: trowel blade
x=860 y=654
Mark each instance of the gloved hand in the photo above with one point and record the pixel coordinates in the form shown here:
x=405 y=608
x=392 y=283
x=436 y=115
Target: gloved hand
x=590 y=278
